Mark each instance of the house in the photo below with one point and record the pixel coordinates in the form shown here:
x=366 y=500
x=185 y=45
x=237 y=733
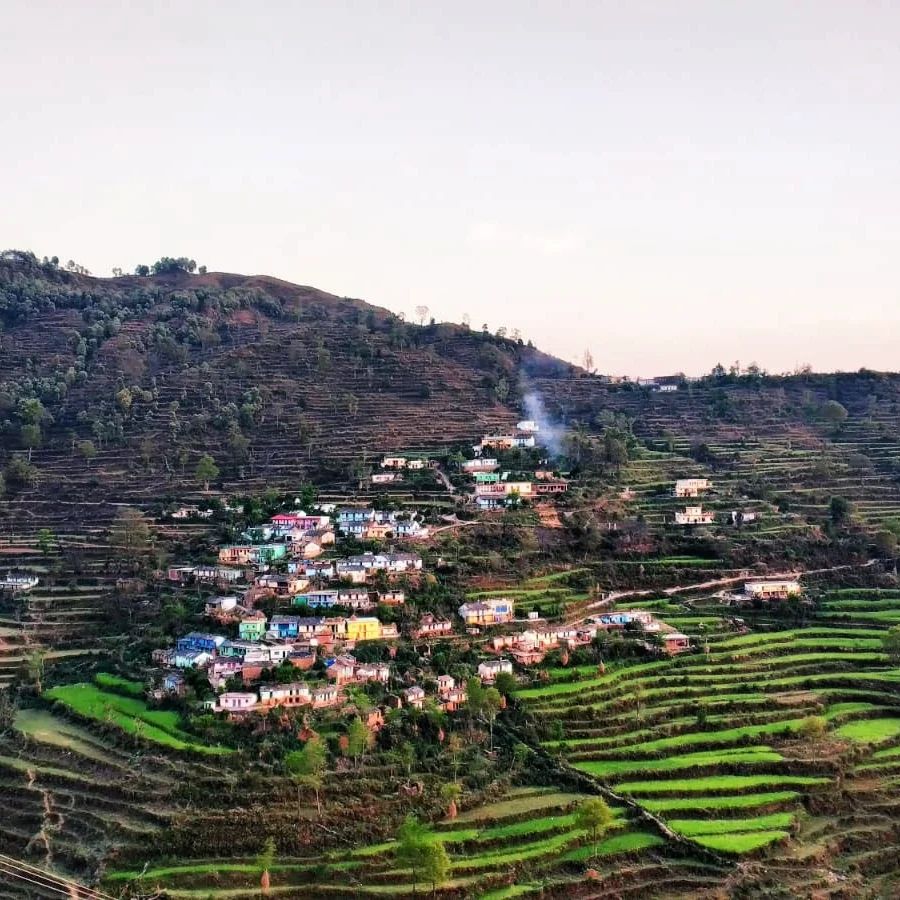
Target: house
x=363 y=628
x=287 y=627
x=179 y=574
x=216 y=574
x=236 y=702
x=431 y=626
x=238 y=555
x=281 y=585
x=386 y=477
x=376 y=531
x=353 y=519
x=355 y=598
x=341 y=670
x=527 y=426
x=295 y=693
x=491 y=611
x=416 y=464
x=772 y=590
x=620 y=619
x=505 y=489
x=739 y=517
x=487 y=477
x=286 y=523
x=489 y=670
x=253 y=626
x=445 y=683
x=327 y=695
x=18 y=582
x=316 y=599
x=480 y=464
x=192 y=512
x=221 y=669
x=694 y=515
x=393 y=462
x=691 y=487
x=453 y=699
x=411 y=529
x=675 y=642
x=220 y=607
x=551 y=486
x=321 y=569
x=199 y=640
x=173 y=684
x=415 y=696
x=374 y=720
x=192 y=659
x=391 y=598
x=373 y=672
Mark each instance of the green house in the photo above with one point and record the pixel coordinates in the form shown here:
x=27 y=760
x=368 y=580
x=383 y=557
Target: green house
x=252 y=628
x=487 y=477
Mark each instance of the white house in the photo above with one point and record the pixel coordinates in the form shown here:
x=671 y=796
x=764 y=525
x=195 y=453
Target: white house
x=691 y=487
x=394 y=462
x=489 y=670
x=772 y=590
x=694 y=515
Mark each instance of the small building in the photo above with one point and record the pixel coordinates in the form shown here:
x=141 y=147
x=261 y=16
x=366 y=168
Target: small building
x=675 y=642
x=694 y=515
x=316 y=599
x=431 y=626
x=391 y=598
x=363 y=628
x=18 y=582
x=295 y=693
x=414 y=696
x=490 y=669
x=772 y=590
x=200 y=640
x=325 y=696
x=445 y=683
x=192 y=659
x=394 y=462
x=490 y=611
x=480 y=464
x=386 y=477
x=691 y=487
x=218 y=607
x=236 y=702
x=253 y=626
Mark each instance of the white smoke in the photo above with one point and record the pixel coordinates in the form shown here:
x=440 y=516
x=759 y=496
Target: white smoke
x=550 y=434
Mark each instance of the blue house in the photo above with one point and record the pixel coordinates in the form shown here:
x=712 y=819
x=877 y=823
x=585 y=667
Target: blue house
x=316 y=599
x=199 y=642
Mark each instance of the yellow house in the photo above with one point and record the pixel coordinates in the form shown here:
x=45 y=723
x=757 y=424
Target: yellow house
x=363 y=628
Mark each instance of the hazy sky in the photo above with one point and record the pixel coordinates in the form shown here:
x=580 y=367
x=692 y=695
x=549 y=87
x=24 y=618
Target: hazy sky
x=668 y=183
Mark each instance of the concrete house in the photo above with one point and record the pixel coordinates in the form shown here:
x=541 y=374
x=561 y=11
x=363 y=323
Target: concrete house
x=691 y=487
x=773 y=590
x=490 y=611
x=694 y=515
x=489 y=670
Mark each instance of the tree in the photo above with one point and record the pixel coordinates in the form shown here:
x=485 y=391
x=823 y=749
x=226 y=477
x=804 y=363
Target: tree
x=141 y=270
x=587 y=361
x=834 y=413
x=505 y=682
x=615 y=450
x=491 y=704
x=359 y=740
x=412 y=851
x=130 y=531
x=813 y=728
x=450 y=791
x=45 y=541
x=206 y=471
x=886 y=544
x=87 y=450
x=594 y=816
x=307 y=766
x=422 y=313
x=31 y=438
x=891 y=643
x=840 y=510
x=36 y=669
x=435 y=864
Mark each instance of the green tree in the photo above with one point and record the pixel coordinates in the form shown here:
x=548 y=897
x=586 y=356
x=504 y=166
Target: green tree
x=891 y=643
x=412 y=851
x=307 y=767
x=834 y=413
x=886 y=544
x=813 y=728
x=130 y=531
x=594 y=816
x=359 y=740
x=491 y=704
x=505 y=682
x=840 y=510
x=87 y=450
x=435 y=865
x=36 y=669
x=45 y=541
x=206 y=471
x=31 y=438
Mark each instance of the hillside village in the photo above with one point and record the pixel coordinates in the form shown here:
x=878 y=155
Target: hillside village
x=338 y=577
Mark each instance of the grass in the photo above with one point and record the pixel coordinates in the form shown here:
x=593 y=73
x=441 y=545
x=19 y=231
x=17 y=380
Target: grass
x=748 y=756
x=518 y=805
x=43 y=726
x=119 y=685
x=130 y=714
x=740 y=843
x=736 y=801
x=716 y=783
x=869 y=731
x=628 y=842
x=691 y=827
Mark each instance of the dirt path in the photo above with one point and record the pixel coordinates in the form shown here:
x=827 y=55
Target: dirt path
x=613 y=596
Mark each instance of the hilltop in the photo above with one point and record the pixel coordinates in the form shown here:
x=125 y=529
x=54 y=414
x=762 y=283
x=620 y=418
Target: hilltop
x=115 y=387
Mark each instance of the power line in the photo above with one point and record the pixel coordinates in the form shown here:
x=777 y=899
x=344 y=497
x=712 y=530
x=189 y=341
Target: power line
x=49 y=880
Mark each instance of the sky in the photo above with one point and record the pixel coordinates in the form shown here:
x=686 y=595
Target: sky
x=667 y=184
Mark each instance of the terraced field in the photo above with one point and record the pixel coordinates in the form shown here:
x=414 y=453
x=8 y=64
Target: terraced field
x=724 y=746
x=526 y=843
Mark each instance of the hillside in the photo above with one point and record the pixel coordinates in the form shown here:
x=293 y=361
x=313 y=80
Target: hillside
x=116 y=387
